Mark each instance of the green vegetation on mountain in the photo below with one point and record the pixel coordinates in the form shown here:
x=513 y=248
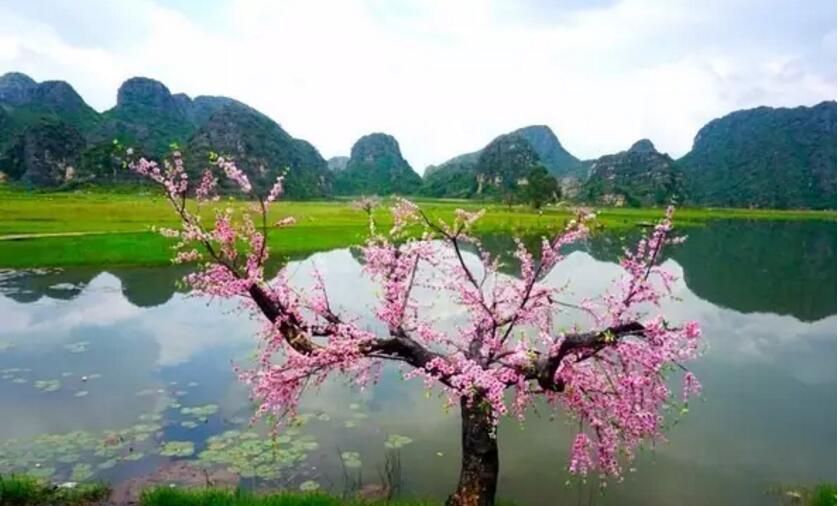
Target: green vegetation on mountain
x=640 y=176
x=504 y=167
x=262 y=149
x=49 y=137
x=336 y=163
x=376 y=166
x=541 y=188
x=765 y=157
x=456 y=178
x=149 y=117
x=46 y=153
x=464 y=175
x=25 y=103
x=146 y=116
x=553 y=156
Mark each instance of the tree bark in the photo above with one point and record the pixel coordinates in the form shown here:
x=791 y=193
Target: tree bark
x=479 y=468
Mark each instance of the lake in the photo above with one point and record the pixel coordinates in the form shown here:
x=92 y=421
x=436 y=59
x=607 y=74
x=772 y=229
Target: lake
x=101 y=367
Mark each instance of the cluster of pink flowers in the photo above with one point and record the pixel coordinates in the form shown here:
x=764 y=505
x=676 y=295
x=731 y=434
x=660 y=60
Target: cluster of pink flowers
x=206 y=189
x=234 y=173
x=366 y=204
x=612 y=377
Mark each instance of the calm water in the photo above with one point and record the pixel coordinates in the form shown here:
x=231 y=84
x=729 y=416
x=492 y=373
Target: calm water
x=112 y=362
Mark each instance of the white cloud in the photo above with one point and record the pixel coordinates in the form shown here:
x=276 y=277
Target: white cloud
x=445 y=77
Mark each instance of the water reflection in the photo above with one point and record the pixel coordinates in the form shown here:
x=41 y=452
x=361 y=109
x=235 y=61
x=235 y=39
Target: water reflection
x=768 y=413
x=780 y=267
x=141 y=286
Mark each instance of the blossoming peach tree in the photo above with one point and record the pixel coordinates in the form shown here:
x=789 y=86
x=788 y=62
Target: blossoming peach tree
x=611 y=377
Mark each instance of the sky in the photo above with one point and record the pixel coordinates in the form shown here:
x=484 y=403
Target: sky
x=444 y=77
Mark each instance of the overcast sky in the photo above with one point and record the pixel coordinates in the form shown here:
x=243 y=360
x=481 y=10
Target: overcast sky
x=444 y=77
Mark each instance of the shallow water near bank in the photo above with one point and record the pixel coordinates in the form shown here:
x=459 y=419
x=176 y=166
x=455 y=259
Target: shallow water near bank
x=125 y=373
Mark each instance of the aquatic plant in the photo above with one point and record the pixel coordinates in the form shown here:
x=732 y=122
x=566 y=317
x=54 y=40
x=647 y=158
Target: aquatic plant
x=79 y=347
x=75 y=454
x=177 y=449
x=250 y=455
x=200 y=412
x=50 y=385
x=396 y=441
x=351 y=460
x=610 y=374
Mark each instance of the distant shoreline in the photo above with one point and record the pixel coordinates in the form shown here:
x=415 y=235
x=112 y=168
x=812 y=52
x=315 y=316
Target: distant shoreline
x=39 y=229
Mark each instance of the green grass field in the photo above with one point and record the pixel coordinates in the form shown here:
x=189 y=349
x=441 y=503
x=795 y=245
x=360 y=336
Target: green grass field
x=95 y=228
x=210 y=497
x=28 y=491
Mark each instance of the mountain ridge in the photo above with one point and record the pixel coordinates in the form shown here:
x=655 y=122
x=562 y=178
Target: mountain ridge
x=778 y=157
x=376 y=166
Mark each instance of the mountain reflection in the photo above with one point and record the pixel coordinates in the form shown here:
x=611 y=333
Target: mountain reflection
x=780 y=267
x=142 y=286
x=786 y=268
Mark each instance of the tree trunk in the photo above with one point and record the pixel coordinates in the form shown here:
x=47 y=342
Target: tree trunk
x=479 y=468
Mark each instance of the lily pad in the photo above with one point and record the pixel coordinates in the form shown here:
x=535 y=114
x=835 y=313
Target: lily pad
x=80 y=393
x=178 y=449
x=301 y=420
x=351 y=460
x=145 y=428
x=79 y=347
x=6 y=345
x=249 y=454
x=396 y=441
x=107 y=464
x=48 y=385
x=81 y=472
x=200 y=411
x=309 y=486
x=134 y=456
x=189 y=424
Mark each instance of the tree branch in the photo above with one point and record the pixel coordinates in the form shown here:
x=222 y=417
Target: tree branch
x=545 y=368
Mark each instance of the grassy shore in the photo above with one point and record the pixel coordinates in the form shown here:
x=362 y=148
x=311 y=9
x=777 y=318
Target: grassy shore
x=27 y=491
x=210 y=497
x=95 y=228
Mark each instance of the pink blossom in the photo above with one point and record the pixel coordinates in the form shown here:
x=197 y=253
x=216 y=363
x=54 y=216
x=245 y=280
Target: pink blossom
x=611 y=377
